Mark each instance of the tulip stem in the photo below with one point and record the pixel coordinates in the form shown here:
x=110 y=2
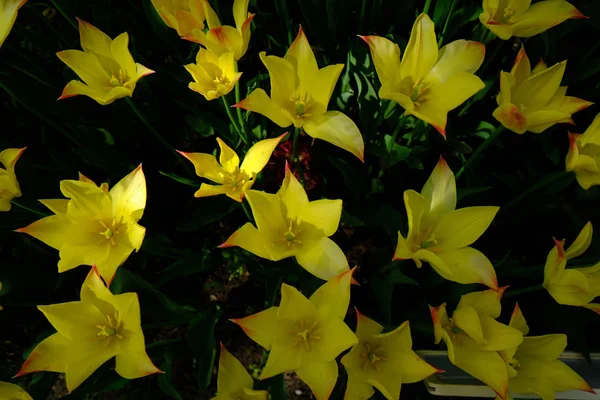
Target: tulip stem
x=295 y=157
x=232 y=119
x=31 y=210
x=64 y=14
x=491 y=139
x=363 y=10
x=286 y=18
x=392 y=142
x=442 y=34
x=247 y=212
x=511 y=293
x=239 y=110
x=426 y=8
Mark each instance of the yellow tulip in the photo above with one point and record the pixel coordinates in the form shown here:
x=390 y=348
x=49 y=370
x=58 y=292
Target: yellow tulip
x=291 y=226
x=224 y=38
x=214 y=76
x=382 y=360
x=11 y=391
x=300 y=93
x=8 y=16
x=182 y=15
x=440 y=235
x=90 y=332
x=233 y=381
x=474 y=337
x=9 y=186
x=533 y=100
x=507 y=18
x=533 y=366
x=573 y=286
x=584 y=155
x=305 y=335
x=94 y=225
x=234 y=180
x=427 y=83
x=105 y=66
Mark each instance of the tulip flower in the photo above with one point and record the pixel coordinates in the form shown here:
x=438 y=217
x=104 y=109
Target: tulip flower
x=300 y=93
x=474 y=337
x=233 y=381
x=573 y=286
x=305 y=335
x=533 y=366
x=94 y=225
x=427 y=83
x=288 y=225
x=223 y=38
x=382 y=360
x=11 y=391
x=584 y=155
x=533 y=100
x=507 y=18
x=214 y=76
x=9 y=186
x=8 y=16
x=234 y=180
x=440 y=235
x=105 y=66
x=182 y=15
x=90 y=332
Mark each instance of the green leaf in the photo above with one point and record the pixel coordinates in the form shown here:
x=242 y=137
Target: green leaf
x=201 y=341
x=180 y=179
x=165 y=381
x=398 y=153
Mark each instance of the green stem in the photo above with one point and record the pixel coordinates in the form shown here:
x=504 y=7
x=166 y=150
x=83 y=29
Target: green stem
x=390 y=145
x=247 y=211
x=489 y=59
x=43 y=117
x=295 y=157
x=164 y=342
x=232 y=119
x=286 y=19
x=64 y=14
x=491 y=139
x=31 y=210
x=442 y=35
x=239 y=110
x=511 y=293
x=540 y=184
x=426 y=8
x=363 y=10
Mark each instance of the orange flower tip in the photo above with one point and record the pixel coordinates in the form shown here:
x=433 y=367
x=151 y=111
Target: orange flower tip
x=282 y=136
x=501 y=290
x=579 y=15
x=588 y=388
x=287 y=168
x=570 y=121
x=20 y=230
x=516 y=311
x=183 y=154
x=148 y=72
x=249 y=19
x=560 y=248
x=359 y=315
x=65 y=96
x=365 y=39
x=241 y=105
x=354 y=282
x=224 y=245
x=441 y=130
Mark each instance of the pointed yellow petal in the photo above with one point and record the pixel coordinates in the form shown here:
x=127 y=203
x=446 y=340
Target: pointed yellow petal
x=468 y=265
x=386 y=57
x=366 y=327
x=262 y=327
x=511 y=118
x=85 y=358
x=421 y=53
x=333 y=297
x=93 y=40
x=486 y=302
x=94 y=291
x=207 y=190
x=294 y=305
x=460 y=56
x=544 y=15
x=521 y=70
x=507 y=81
x=259 y=154
x=8 y=16
x=223 y=39
x=487 y=366
x=555 y=263
x=357 y=387
x=74 y=320
x=228 y=157
x=120 y=51
x=283 y=80
x=324 y=214
x=335 y=338
x=388 y=382
x=541 y=120
x=282 y=357
x=87 y=67
x=232 y=374
x=206 y=166
x=12 y=391
x=324 y=84
x=49 y=355
x=436 y=263
x=499 y=336
x=250 y=239
x=389 y=93
x=129 y=195
x=440 y=194
x=546 y=347
x=462 y=227
x=57 y=206
x=133 y=361
x=101 y=96
x=535 y=92
x=267 y=212
x=259 y=102
x=9 y=157
x=319 y=376
x=439 y=317
x=581 y=243
x=339 y=130
x=413 y=368
x=572 y=288
x=517 y=321
x=55 y=230
x=467 y=319
x=302 y=58
x=293 y=195
x=211 y=16
x=324 y=259
x=449 y=94
x=545 y=378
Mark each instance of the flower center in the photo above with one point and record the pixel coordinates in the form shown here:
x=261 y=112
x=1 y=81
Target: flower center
x=111 y=329
x=373 y=357
x=419 y=89
x=110 y=231
x=429 y=241
x=301 y=103
x=120 y=79
x=290 y=236
x=236 y=178
x=306 y=334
